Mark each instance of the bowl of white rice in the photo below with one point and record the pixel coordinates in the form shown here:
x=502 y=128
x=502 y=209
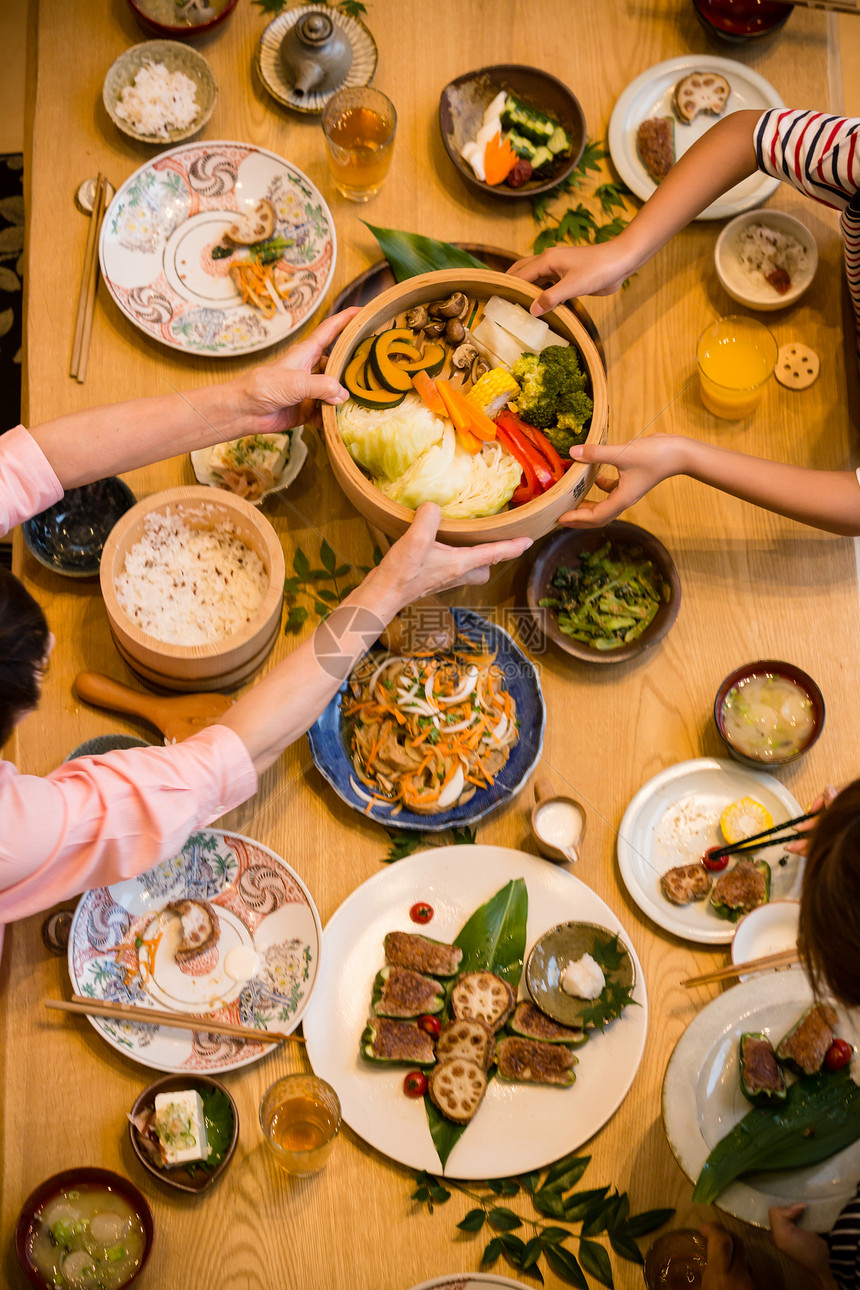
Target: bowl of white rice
x=766 y=259
x=160 y=92
x=193 y=585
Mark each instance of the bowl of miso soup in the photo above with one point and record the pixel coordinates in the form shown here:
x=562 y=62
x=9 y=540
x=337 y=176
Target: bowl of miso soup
x=84 y=1227
x=768 y=713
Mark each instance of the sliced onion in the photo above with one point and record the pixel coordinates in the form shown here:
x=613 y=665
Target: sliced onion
x=382 y=666
x=500 y=730
x=461 y=725
x=464 y=691
x=452 y=790
x=374 y=801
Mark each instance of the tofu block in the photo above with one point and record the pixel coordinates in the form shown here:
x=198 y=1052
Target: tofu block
x=265 y=453
x=181 y=1127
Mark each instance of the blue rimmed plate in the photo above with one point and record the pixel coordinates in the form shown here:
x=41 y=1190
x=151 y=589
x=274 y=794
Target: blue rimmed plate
x=329 y=748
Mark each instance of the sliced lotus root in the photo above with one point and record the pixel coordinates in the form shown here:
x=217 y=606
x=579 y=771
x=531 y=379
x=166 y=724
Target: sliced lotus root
x=471 y=1039
x=256 y=226
x=457 y=1088
x=484 y=996
x=797 y=366
x=700 y=92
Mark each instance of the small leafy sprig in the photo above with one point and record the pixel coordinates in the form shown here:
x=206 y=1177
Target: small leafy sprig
x=615 y=996
x=310 y=581
x=579 y=224
x=404 y=844
x=601 y=1211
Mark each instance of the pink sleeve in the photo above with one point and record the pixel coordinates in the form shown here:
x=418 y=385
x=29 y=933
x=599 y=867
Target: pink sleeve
x=28 y=484
x=97 y=820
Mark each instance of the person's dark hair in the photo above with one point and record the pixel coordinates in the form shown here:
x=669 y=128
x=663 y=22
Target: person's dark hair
x=23 y=644
x=829 y=932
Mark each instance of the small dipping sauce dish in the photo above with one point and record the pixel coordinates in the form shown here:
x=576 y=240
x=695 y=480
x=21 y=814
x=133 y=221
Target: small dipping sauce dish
x=558 y=824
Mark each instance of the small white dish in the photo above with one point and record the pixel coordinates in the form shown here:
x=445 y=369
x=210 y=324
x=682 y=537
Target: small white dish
x=297 y=458
x=767 y=930
x=762 y=296
x=176 y=57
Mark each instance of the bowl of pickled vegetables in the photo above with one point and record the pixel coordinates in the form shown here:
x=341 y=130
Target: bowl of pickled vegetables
x=606 y=595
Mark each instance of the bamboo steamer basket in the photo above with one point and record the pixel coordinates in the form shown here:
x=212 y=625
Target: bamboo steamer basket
x=535 y=518
x=222 y=664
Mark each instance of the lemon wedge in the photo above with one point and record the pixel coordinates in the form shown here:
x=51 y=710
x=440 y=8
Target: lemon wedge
x=743 y=819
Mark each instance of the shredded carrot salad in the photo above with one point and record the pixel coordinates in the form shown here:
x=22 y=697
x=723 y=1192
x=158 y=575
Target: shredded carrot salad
x=259 y=285
x=428 y=733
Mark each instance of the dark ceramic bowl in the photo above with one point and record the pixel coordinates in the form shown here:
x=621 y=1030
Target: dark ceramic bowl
x=179 y=31
x=103 y=744
x=462 y=104
x=178 y=1177
x=69 y=536
x=565 y=549
x=74 y=1178
x=773 y=667
x=741 y=22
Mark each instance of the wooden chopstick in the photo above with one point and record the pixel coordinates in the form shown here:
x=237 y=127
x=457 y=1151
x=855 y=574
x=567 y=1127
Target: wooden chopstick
x=86 y=273
x=745 y=843
x=175 y=1021
x=93 y=280
x=783 y=958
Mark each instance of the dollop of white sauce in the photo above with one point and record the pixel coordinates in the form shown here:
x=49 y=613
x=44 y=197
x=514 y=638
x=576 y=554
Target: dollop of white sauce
x=583 y=978
x=241 y=963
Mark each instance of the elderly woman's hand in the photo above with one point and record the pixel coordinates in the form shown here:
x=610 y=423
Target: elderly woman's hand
x=418 y=565
x=286 y=393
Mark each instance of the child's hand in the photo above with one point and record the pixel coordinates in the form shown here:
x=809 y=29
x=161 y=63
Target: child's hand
x=821 y=803
x=580 y=270
x=805 y=1248
x=727 y=1267
x=640 y=464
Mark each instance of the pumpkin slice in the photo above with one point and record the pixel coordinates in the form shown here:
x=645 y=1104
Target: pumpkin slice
x=359 y=388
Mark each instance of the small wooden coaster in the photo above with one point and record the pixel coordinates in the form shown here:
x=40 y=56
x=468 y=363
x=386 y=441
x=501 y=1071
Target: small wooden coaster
x=797 y=366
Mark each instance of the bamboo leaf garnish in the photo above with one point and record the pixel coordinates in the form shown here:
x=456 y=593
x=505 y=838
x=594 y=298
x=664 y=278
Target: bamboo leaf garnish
x=412 y=253
x=523 y=1240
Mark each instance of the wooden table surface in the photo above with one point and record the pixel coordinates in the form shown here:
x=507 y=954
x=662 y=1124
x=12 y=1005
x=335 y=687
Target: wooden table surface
x=753 y=586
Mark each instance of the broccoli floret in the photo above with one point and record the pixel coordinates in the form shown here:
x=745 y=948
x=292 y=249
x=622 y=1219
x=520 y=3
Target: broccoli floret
x=552 y=392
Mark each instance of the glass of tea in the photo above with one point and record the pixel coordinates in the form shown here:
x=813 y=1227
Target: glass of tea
x=359 y=126
x=300 y=1119
x=736 y=357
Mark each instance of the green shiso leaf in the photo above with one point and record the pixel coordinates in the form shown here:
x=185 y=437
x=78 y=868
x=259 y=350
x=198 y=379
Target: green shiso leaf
x=820 y=1116
x=218 y=1116
x=493 y=940
x=411 y=253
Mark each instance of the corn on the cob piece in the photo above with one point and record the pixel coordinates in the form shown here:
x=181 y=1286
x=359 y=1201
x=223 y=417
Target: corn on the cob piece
x=493 y=391
x=743 y=819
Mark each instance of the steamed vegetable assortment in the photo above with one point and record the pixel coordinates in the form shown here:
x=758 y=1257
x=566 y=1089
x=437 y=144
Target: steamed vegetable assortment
x=473 y=413
x=515 y=143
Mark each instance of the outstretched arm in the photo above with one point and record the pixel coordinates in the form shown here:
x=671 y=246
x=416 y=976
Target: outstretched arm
x=826 y=499
x=716 y=162
x=290 y=698
x=93 y=444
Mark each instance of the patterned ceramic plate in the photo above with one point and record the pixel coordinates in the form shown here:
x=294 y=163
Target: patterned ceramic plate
x=261 y=972
x=328 y=738
x=160 y=229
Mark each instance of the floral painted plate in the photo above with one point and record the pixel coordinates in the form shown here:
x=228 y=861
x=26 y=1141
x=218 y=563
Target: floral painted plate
x=260 y=973
x=162 y=225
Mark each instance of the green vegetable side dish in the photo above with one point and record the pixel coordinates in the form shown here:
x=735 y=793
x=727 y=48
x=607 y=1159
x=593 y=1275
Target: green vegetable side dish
x=820 y=1116
x=609 y=599
x=218 y=1115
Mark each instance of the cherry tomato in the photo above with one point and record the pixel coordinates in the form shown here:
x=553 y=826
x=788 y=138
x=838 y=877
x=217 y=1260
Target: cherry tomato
x=430 y=1025
x=839 y=1054
x=415 y=1084
x=421 y=912
x=714 y=864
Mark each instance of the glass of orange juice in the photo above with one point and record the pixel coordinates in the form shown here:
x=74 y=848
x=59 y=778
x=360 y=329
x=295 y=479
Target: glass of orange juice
x=736 y=357
x=300 y=1119
x=359 y=126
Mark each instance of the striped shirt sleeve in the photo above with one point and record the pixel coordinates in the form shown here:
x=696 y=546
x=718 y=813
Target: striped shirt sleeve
x=818 y=154
x=844 y=1245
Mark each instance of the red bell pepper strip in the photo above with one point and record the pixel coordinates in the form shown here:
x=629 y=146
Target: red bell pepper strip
x=538 y=440
x=528 y=487
x=517 y=444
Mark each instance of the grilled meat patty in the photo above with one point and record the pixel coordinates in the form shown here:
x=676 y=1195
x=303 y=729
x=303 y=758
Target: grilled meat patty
x=685 y=883
x=385 y=1040
x=531 y=1023
x=399 y=992
x=421 y=954
x=804 y=1047
x=761 y=1073
x=529 y=1061
x=743 y=887
x=655 y=140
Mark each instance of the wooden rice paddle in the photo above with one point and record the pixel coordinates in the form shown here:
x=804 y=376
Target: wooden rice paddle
x=176 y=718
